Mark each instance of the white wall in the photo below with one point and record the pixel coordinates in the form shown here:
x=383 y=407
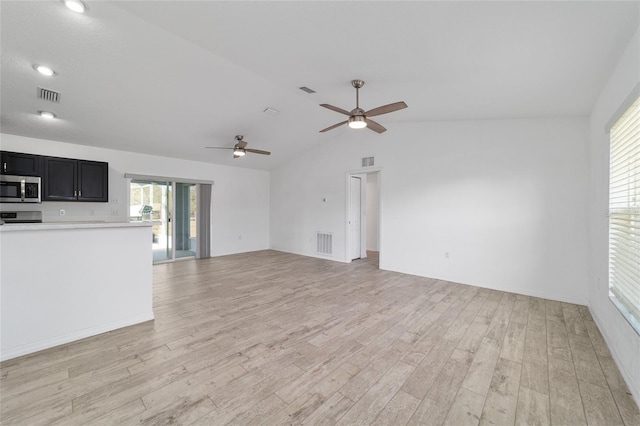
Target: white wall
x=240 y=197
x=623 y=341
x=507 y=199
x=372 y=210
x=77 y=283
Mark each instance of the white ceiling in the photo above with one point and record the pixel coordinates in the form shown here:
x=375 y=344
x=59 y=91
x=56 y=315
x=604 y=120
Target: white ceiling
x=171 y=77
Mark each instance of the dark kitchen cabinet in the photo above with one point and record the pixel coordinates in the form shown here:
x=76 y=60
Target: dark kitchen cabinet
x=17 y=163
x=93 y=181
x=67 y=179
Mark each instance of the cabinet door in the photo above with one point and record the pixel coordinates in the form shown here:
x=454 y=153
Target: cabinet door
x=16 y=163
x=93 y=181
x=59 y=180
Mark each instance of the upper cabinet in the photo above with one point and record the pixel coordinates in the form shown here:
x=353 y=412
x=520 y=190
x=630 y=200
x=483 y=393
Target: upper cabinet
x=93 y=181
x=16 y=163
x=67 y=179
x=63 y=179
x=59 y=179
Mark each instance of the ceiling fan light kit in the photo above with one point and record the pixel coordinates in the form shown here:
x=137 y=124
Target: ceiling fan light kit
x=357 y=122
x=358 y=117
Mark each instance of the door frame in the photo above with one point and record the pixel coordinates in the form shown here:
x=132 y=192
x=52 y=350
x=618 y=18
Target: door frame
x=362 y=232
x=171 y=223
x=362 y=174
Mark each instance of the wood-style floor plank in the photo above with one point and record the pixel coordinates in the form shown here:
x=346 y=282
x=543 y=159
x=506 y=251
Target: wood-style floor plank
x=502 y=399
x=533 y=408
x=465 y=410
x=274 y=338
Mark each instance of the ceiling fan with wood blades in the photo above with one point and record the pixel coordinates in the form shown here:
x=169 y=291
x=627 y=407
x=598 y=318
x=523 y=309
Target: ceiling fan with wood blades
x=359 y=118
x=240 y=148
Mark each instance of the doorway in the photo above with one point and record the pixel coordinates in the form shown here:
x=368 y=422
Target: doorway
x=363 y=215
x=171 y=208
x=354 y=222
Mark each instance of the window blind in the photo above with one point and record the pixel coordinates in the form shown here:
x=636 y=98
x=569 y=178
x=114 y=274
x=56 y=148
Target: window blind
x=624 y=210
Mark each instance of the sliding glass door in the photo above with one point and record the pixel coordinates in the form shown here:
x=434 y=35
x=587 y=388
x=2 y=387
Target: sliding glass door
x=171 y=208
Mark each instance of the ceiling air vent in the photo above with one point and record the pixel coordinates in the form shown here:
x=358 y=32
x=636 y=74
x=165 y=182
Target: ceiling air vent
x=48 y=95
x=306 y=89
x=367 y=161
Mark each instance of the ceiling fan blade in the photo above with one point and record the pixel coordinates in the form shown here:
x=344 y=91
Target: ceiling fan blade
x=374 y=126
x=336 y=109
x=241 y=144
x=385 y=109
x=333 y=127
x=217 y=147
x=258 y=151
x=236 y=156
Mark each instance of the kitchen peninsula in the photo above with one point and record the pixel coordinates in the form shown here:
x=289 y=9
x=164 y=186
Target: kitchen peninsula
x=61 y=282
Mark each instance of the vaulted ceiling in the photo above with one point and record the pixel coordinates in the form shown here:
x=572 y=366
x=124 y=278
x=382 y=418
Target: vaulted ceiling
x=171 y=77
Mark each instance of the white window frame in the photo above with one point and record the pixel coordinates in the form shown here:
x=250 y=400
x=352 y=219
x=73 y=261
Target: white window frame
x=624 y=209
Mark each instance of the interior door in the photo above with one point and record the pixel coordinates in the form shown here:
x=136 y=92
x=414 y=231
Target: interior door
x=355 y=204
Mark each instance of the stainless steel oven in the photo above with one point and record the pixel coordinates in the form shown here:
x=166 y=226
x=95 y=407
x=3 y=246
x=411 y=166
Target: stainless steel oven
x=21 y=217
x=20 y=189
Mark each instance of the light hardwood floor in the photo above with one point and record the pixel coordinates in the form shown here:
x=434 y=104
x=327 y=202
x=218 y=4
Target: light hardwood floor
x=274 y=338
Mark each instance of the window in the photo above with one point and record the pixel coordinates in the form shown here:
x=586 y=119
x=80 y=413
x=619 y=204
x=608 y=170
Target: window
x=624 y=214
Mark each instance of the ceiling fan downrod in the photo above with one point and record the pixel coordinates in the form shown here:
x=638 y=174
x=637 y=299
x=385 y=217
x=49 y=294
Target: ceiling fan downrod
x=357 y=84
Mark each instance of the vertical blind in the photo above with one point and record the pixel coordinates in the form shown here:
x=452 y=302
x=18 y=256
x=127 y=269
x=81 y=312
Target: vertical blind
x=203 y=218
x=624 y=210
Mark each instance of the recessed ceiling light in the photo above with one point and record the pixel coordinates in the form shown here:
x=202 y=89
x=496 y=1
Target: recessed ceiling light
x=75 y=5
x=271 y=111
x=46 y=114
x=44 y=70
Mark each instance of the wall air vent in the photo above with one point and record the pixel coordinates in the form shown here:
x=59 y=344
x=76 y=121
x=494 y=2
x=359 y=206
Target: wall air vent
x=306 y=89
x=367 y=161
x=324 y=243
x=48 y=95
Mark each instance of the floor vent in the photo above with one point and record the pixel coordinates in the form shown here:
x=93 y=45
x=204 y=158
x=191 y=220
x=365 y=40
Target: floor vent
x=367 y=161
x=48 y=95
x=324 y=243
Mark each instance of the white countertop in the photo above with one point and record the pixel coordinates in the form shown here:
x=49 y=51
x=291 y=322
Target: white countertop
x=8 y=227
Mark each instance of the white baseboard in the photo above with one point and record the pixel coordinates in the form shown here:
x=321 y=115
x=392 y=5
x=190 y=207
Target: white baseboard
x=317 y=256
x=635 y=391
x=29 y=348
x=229 y=253
x=517 y=290
x=541 y=295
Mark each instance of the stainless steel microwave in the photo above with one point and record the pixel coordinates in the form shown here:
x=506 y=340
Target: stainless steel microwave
x=20 y=189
